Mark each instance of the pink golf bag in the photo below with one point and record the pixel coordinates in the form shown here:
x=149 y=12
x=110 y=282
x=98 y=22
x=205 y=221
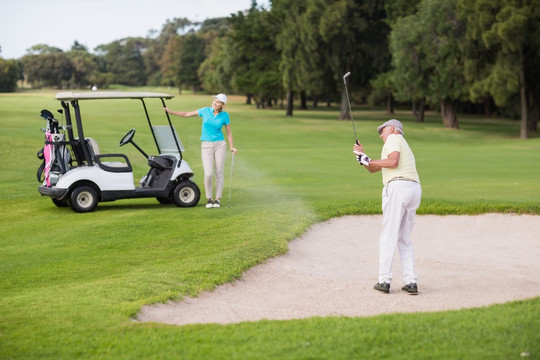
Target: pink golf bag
x=55 y=155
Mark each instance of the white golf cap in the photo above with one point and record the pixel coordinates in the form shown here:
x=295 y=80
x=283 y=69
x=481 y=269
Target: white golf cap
x=392 y=122
x=221 y=97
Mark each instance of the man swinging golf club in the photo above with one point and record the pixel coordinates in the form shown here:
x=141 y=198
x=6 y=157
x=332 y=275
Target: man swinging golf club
x=400 y=198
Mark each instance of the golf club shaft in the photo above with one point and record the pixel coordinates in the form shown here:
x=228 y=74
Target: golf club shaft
x=230 y=182
x=349 y=103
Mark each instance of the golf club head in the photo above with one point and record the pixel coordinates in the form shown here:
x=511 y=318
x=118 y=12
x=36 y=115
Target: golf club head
x=47 y=115
x=345 y=77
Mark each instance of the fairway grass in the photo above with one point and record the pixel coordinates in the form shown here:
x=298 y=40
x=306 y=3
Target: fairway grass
x=70 y=283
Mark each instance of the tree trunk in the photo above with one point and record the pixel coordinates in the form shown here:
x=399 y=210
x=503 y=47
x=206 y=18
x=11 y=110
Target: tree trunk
x=420 y=112
x=257 y=103
x=248 y=99
x=290 y=102
x=303 y=100
x=389 y=103
x=523 y=132
x=344 y=113
x=487 y=106
x=534 y=109
x=449 y=116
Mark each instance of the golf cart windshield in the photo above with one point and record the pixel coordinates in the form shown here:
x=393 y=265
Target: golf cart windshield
x=166 y=139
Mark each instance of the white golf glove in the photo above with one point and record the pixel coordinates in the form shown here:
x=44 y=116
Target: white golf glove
x=362 y=158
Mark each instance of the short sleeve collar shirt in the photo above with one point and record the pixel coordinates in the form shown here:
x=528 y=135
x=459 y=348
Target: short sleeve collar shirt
x=407 y=163
x=212 y=124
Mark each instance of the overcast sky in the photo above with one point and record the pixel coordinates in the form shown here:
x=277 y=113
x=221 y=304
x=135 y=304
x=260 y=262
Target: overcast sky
x=58 y=23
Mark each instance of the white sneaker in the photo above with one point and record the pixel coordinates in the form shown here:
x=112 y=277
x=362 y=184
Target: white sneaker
x=217 y=204
x=209 y=204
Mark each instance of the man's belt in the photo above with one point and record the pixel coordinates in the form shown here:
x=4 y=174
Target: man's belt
x=401 y=178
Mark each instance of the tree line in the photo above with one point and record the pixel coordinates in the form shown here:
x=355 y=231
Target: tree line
x=448 y=55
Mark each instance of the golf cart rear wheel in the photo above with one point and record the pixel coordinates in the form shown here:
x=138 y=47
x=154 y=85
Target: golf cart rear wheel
x=83 y=199
x=186 y=194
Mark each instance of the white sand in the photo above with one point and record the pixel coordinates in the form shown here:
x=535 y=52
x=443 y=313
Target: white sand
x=461 y=261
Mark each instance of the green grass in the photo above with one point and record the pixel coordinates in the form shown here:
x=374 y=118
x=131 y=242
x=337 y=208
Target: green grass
x=70 y=283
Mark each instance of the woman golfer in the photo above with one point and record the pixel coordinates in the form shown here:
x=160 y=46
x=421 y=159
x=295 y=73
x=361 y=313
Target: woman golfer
x=213 y=145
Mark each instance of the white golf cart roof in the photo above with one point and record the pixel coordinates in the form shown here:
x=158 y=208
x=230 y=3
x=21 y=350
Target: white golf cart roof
x=97 y=95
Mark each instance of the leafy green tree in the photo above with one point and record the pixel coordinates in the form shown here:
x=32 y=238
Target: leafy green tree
x=47 y=69
x=427 y=58
x=410 y=70
x=396 y=9
x=391 y=83
x=9 y=74
x=124 y=59
x=383 y=86
x=320 y=37
x=168 y=63
x=356 y=39
x=42 y=49
x=314 y=76
x=154 y=56
x=215 y=72
x=252 y=56
x=190 y=57
x=85 y=66
x=288 y=42
x=509 y=32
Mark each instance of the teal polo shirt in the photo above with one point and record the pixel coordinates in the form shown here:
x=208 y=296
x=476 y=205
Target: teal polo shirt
x=212 y=124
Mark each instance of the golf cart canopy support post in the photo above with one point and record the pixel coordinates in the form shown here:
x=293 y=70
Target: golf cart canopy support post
x=80 y=132
x=174 y=137
x=154 y=134
x=71 y=137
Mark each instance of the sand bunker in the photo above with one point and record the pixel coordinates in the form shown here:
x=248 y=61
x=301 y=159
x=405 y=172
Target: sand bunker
x=461 y=261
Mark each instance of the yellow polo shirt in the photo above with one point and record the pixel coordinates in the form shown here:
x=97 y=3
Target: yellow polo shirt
x=407 y=164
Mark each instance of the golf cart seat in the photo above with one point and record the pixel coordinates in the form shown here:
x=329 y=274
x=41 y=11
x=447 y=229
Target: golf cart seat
x=93 y=147
x=112 y=166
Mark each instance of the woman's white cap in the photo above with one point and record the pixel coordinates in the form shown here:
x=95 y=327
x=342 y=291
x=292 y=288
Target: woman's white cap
x=221 y=97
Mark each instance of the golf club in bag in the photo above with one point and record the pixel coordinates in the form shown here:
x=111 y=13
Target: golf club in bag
x=230 y=182
x=55 y=155
x=349 y=103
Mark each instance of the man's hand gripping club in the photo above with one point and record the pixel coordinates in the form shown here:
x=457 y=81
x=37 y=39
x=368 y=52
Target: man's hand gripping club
x=362 y=158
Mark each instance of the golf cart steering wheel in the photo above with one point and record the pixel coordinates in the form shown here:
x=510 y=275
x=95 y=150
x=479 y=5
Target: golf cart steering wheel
x=127 y=138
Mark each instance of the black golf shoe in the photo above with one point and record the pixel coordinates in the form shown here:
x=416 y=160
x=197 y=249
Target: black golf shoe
x=411 y=289
x=384 y=287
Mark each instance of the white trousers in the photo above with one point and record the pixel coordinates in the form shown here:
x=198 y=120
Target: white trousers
x=213 y=155
x=400 y=199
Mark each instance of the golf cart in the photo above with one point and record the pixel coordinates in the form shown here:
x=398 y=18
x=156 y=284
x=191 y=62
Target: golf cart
x=74 y=173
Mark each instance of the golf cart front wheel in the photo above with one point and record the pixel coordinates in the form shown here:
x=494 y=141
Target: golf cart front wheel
x=165 y=200
x=60 y=203
x=186 y=194
x=83 y=199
